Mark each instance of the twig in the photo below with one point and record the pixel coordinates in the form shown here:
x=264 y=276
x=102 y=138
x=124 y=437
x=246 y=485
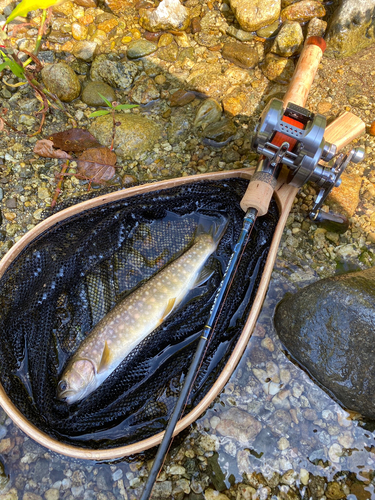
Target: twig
x=59 y=184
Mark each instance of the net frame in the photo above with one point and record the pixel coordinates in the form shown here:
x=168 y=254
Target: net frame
x=284 y=198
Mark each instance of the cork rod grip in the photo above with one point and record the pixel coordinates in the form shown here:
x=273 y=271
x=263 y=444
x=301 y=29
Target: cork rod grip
x=305 y=71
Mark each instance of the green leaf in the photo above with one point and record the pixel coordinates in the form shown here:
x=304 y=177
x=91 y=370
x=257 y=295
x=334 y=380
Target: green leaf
x=126 y=106
x=27 y=6
x=101 y=112
x=109 y=104
x=15 y=68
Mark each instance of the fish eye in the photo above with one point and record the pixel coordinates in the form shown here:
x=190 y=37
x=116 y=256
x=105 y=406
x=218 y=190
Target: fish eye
x=62 y=385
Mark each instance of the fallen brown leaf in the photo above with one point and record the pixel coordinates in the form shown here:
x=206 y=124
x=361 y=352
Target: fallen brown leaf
x=74 y=139
x=45 y=148
x=97 y=164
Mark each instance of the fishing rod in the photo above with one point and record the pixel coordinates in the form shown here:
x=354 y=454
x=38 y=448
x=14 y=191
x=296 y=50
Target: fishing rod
x=289 y=136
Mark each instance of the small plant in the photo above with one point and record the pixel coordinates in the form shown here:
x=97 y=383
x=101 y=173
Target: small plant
x=114 y=106
x=19 y=69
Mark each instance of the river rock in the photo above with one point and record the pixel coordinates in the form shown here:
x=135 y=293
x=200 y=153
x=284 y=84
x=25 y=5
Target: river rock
x=254 y=14
x=239 y=425
x=277 y=68
x=289 y=40
x=135 y=134
x=61 y=80
x=241 y=54
x=352 y=28
x=345 y=198
x=169 y=15
x=329 y=328
x=140 y=48
x=316 y=27
x=91 y=97
x=84 y=50
x=144 y=91
x=303 y=11
x=118 y=74
x=208 y=80
x=208 y=112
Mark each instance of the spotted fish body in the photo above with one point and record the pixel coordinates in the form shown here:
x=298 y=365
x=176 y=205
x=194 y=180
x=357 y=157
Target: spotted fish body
x=130 y=321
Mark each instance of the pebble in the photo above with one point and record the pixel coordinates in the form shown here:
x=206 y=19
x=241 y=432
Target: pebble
x=335 y=452
x=277 y=69
x=84 y=50
x=240 y=54
x=303 y=11
x=140 y=48
x=61 y=80
x=91 y=97
x=239 y=425
x=208 y=112
x=52 y=494
x=289 y=40
x=116 y=74
x=255 y=14
x=135 y=134
x=169 y=15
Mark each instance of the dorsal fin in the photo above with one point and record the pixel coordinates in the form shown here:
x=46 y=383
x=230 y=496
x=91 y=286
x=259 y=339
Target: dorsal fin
x=106 y=358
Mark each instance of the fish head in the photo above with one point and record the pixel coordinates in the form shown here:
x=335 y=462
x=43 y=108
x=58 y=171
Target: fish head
x=77 y=381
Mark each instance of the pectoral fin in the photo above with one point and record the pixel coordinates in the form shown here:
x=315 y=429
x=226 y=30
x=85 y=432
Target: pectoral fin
x=106 y=358
x=203 y=276
x=168 y=309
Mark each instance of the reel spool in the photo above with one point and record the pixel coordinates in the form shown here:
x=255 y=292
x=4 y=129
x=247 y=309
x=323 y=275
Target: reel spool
x=294 y=137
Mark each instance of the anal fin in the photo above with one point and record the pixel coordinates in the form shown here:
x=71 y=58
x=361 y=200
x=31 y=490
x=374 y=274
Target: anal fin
x=203 y=276
x=106 y=358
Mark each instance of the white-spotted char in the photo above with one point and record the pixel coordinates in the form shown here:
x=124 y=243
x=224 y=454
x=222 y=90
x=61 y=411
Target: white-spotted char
x=130 y=321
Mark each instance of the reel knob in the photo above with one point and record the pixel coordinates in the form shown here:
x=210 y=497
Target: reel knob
x=328 y=178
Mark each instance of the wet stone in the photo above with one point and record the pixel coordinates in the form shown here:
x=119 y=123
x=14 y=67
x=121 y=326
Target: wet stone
x=118 y=74
x=316 y=318
x=240 y=54
x=289 y=40
x=144 y=91
x=303 y=11
x=255 y=14
x=91 y=97
x=140 y=48
x=208 y=112
x=239 y=425
x=135 y=134
x=351 y=28
x=278 y=69
x=269 y=30
x=220 y=131
x=181 y=97
x=169 y=15
x=84 y=50
x=11 y=203
x=61 y=80
x=241 y=35
x=168 y=53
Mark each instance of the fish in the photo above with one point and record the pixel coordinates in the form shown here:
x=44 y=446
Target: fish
x=134 y=318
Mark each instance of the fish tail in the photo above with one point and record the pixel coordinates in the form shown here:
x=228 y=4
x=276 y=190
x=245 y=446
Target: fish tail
x=215 y=226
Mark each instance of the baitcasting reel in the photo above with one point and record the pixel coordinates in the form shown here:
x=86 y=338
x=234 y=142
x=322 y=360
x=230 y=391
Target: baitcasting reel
x=295 y=137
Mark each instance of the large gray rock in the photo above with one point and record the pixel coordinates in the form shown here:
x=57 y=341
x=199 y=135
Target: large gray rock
x=352 y=28
x=118 y=74
x=329 y=328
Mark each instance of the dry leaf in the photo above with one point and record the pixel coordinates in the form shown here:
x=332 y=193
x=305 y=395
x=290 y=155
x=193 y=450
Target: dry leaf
x=97 y=164
x=74 y=139
x=44 y=147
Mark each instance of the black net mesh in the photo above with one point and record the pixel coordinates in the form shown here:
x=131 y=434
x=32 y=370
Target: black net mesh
x=69 y=277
